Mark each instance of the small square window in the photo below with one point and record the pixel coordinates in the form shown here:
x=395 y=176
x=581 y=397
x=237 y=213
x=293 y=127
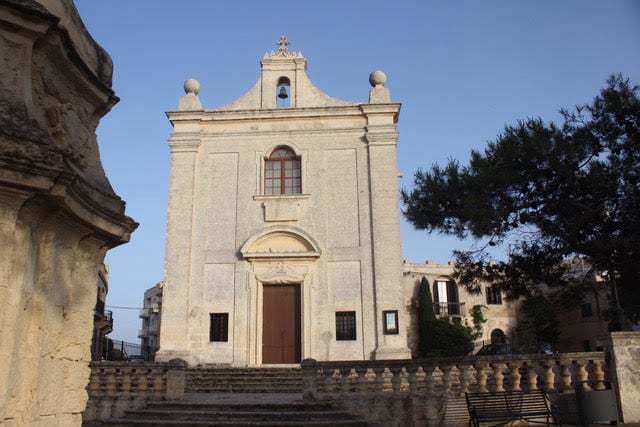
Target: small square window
x=219 y=327
x=586 y=310
x=345 y=325
x=390 y=319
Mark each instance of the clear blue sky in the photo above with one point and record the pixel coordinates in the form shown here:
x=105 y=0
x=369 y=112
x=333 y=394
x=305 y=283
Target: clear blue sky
x=461 y=69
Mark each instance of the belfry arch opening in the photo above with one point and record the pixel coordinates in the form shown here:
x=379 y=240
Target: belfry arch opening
x=283 y=92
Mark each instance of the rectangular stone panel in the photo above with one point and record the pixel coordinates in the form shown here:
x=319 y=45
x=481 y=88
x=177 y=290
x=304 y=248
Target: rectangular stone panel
x=220 y=203
x=218 y=287
x=344 y=284
x=341 y=198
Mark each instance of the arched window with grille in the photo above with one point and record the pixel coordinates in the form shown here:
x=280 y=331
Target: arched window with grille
x=282 y=172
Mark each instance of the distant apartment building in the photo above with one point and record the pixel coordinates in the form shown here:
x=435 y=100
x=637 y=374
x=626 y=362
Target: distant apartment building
x=150 y=314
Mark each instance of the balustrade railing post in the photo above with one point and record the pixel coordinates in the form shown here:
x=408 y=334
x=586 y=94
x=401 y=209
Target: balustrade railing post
x=345 y=380
x=126 y=383
x=380 y=380
x=465 y=376
x=481 y=376
x=565 y=375
x=498 y=374
x=396 y=377
x=598 y=373
x=429 y=381
x=110 y=382
x=412 y=371
x=532 y=376
x=581 y=373
x=158 y=383
x=549 y=376
x=362 y=382
x=514 y=375
x=446 y=378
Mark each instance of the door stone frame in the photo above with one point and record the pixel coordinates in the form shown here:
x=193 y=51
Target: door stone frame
x=280 y=255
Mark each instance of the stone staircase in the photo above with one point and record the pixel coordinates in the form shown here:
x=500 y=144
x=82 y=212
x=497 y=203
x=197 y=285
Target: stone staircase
x=244 y=380
x=237 y=414
x=220 y=396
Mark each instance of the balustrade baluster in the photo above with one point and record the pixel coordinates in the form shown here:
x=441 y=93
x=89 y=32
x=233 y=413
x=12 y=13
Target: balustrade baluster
x=565 y=376
x=329 y=380
x=412 y=371
x=514 y=375
x=110 y=382
x=380 y=378
x=532 y=376
x=362 y=383
x=446 y=378
x=598 y=373
x=548 y=376
x=481 y=377
x=126 y=382
x=465 y=376
x=429 y=381
x=498 y=375
x=158 y=383
x=581 y=373
x=396 y=378
x=94 y=383
x=344 y=383
x=143 y=381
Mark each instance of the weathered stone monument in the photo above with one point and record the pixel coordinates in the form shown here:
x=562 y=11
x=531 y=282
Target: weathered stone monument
x=58 y=212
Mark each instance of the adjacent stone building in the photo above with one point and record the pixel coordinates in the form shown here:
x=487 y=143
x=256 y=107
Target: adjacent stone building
x=58 y=212
x=283 y=238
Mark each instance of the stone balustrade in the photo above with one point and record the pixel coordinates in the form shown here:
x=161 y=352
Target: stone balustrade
x=117 y=386
x=422 y=391
x=552 y=372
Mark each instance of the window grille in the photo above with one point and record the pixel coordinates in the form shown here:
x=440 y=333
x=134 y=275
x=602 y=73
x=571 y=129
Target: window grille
x=345 y=325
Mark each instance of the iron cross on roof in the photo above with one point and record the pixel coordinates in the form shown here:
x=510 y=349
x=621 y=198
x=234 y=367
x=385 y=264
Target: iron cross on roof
x=283 y=42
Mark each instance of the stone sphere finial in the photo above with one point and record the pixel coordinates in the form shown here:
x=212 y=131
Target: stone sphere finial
x=377 y=78
x=191 y=86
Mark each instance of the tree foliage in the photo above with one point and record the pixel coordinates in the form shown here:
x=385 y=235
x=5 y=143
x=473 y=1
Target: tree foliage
x=537 y=323
x=439 y=337
x=548 y=193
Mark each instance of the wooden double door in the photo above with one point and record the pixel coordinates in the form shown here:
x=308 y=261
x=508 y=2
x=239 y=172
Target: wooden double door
x=281 y=324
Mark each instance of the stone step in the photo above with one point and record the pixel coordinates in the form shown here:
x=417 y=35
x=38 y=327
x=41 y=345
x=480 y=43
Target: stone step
x=236 y=414
x=243 y=380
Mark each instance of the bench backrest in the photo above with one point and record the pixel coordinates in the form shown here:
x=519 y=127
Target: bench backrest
x=532 y=402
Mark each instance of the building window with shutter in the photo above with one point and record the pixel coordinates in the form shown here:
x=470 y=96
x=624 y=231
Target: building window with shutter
x=494 y=296
x=345 y=325
x=445 y=296
x=219 y=327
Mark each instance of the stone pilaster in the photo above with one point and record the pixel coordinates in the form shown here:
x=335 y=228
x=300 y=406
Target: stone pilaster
x=625 y=349
x=174 y=334
x=382 y=136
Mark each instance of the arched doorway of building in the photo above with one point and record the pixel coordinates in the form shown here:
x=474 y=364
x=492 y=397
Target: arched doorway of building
x=498 y=337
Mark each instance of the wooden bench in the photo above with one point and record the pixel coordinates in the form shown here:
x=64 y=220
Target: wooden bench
x=506 y=406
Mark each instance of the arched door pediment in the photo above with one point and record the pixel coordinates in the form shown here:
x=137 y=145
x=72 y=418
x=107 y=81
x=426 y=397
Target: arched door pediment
x=280 y=242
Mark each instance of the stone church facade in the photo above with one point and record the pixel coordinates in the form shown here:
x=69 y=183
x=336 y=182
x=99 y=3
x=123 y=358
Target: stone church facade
x=283 y=233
